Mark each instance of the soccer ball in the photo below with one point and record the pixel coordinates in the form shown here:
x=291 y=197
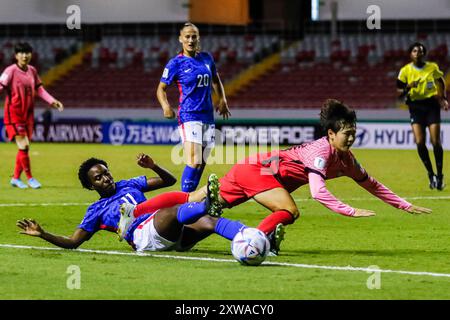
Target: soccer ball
x=250 y=246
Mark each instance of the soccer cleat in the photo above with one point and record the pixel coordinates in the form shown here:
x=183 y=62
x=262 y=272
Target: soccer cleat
x=440 y=184
x=18 y=183
x=126 y=218
x=32 y=182
x=275 y=239
x=433 y=181
x=212 y=196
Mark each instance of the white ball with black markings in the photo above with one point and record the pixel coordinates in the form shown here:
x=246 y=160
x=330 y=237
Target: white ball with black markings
x=250 y=246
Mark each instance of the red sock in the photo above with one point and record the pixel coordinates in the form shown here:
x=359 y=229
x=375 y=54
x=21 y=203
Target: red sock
x=165 y=200
x=270 y=222
x=25 y=161
x=18 y=167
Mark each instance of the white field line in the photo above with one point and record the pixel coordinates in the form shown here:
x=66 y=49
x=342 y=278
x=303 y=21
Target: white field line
x=68 y=204
x=282 y=264
x=50 y=204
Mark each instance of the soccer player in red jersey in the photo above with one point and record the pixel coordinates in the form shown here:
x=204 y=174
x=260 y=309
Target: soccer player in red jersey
x=21 y=83
x=269 y=178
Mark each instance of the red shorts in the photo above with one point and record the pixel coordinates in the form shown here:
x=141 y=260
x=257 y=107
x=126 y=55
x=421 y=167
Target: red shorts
x=244 y=181
x=19 y=129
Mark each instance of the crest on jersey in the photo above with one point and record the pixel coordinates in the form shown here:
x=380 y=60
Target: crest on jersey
x=319 y=163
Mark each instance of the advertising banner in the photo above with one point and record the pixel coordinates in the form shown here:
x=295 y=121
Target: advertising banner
x=369 y=135
x=129 y=132
x=393 y=136
x=263 y=134
x=64 y=131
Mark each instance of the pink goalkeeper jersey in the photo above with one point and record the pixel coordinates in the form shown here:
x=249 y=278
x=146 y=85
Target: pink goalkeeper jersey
x=21 y=87
x=316 y=162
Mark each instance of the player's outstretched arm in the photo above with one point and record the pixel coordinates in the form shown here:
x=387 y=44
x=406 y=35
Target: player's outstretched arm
x=320 y=193
x=165 y=178
x=418 y=210
x=32 y=228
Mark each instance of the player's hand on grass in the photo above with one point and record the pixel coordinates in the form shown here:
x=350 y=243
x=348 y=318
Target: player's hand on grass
x=363 y=213
x=30 y=227
x=418 y=210
x=222 y=109
x=58 y=105
x=145 y=161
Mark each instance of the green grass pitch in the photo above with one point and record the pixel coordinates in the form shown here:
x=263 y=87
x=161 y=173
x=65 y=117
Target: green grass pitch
x=392 y=240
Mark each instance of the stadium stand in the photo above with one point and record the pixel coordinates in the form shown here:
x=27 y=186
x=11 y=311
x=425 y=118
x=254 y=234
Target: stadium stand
x=48 y=51
x=125 y=70
x=358 y=69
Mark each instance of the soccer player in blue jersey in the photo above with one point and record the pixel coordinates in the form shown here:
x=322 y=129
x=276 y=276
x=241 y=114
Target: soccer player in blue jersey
x=195 y=74
x=172 y=224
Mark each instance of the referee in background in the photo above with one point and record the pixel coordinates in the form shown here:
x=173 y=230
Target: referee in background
x=422 y=84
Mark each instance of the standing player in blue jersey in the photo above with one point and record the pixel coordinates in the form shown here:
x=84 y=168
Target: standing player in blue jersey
x=172 y=223
x=195 y=74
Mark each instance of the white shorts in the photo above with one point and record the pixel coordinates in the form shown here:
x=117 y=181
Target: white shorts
x=198 y=132
x=146 y=238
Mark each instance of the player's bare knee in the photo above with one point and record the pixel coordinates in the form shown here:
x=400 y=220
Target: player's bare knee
x=420 y=143
x=295 y=213
x=436 y=143
x=22 y=143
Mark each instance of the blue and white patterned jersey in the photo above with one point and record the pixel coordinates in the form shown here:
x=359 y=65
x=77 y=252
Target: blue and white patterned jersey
x=193 y=77
x=104 y=214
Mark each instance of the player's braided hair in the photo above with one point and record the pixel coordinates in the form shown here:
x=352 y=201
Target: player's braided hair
x=335 y=115
x=85 y=167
